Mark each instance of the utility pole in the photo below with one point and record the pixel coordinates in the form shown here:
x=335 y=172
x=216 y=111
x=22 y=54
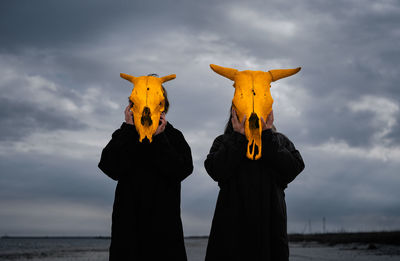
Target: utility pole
x=323 y=225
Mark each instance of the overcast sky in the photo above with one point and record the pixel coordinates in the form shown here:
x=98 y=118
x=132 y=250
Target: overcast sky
x=61 y=98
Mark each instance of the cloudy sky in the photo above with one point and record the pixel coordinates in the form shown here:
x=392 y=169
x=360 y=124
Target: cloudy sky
x=61 y=98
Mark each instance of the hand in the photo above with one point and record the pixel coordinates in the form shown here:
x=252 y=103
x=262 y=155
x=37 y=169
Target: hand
x=237 y=126
x=270 y=120
x=161 y=126
x=129 y=115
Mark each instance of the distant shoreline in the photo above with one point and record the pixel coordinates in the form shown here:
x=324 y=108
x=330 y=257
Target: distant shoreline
x=390 y=237
x=54 y=237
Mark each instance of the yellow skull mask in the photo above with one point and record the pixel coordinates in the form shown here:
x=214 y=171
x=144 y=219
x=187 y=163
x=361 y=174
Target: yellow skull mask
x=148 y=102
x=253 y=98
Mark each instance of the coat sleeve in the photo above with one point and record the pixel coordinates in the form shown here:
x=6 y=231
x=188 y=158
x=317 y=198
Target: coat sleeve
x=173 y=155
x=282 y=155
x=225 y=154
x=116 y=157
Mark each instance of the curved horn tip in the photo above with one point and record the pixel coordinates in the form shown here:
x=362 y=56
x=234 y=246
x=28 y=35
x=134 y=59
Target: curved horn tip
x=215 y=67
x=282 y=73
x=168 y=78
x=224 y=71
x=124 y=75
x=127 y=77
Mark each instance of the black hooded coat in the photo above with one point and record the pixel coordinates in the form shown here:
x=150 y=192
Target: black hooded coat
x=146 y=221
x=250 y=221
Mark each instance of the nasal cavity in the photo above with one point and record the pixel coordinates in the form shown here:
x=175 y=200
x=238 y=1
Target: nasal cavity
x=145 y=120
x=253 y=121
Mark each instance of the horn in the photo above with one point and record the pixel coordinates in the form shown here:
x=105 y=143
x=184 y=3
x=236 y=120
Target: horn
x=168 y=78
x=128 y=77
x=224 y=71
x=282 y=73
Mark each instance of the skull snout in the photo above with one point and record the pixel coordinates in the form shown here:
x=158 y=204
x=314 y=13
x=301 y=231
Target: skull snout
x=145 y=120
x=253 y=121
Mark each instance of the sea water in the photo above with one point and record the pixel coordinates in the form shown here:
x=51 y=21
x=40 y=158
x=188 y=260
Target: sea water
x=61 y=249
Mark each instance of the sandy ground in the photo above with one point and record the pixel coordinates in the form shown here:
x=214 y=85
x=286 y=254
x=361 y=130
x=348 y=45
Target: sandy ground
x=313 y=251
x=350 y=252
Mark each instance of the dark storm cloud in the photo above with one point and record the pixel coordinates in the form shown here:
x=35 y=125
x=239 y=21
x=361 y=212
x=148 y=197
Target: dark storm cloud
x=53 y=178
x=30 y=103
x=394 y=134
x=354 y=188
x=19 y=119
x=46 y=24
x=58 y=195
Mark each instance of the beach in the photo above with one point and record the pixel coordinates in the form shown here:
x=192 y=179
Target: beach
x=96 y=249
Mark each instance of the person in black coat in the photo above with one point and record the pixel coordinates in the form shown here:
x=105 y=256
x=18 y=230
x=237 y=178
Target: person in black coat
x=250 y=221
x=146 y=221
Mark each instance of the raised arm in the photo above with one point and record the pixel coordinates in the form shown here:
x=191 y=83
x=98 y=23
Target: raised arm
x=116 y=157
x=283 y=156
x=225 y=154
x=172 y=154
